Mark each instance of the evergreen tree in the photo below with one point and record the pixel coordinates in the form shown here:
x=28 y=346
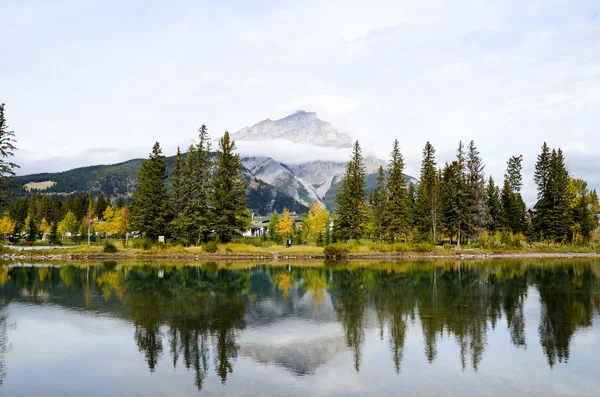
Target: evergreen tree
x=398 y=202
x=177 y=196
x=560 y=216
x=32 y=230
x=478 y=216
x=513 y=206
x=378 y=204
x=150 y=210
x=350 y=199
x=101 y=205
x=541 y=220
x=455 y=197
x=229 y=194
x=196 y=219
x=428 y=196
x=7 y=168
x=494 y=206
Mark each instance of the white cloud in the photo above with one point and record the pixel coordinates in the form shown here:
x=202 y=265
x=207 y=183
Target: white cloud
x=508 y=74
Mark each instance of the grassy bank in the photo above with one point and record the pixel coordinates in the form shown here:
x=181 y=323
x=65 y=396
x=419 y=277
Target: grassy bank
x=352 y=250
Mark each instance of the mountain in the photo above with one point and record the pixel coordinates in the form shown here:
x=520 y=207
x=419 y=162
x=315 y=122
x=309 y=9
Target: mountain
x=272 y=185
x=309 y=182
x=300 y=127
x=120 y=180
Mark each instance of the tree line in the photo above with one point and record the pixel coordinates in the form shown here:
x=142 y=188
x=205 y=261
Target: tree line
x=206 y=200
x=459 y=203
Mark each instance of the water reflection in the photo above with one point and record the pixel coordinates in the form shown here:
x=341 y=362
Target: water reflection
x=210 y=315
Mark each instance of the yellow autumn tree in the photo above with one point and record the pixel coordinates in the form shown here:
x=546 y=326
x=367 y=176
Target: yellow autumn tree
x=26 y=224
x=7 y=226
x=317 y=222
x=285 y=225
x=44 y=226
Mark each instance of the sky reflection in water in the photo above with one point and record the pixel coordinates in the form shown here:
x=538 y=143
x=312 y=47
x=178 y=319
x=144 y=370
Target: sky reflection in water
x=428 y=328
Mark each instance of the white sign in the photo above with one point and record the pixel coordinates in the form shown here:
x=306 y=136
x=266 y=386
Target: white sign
x=161 y=239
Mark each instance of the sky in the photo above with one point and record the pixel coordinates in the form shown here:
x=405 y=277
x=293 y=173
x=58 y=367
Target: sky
x=99 y=81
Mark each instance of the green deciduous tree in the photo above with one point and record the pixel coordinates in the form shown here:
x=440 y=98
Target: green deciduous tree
x=150 y=212
x=229 y=192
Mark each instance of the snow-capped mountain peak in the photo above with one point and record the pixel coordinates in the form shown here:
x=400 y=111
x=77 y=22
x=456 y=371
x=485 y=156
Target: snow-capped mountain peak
x=300 y=127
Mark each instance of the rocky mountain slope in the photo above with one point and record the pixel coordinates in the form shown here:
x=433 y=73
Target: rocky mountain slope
x=300 y=127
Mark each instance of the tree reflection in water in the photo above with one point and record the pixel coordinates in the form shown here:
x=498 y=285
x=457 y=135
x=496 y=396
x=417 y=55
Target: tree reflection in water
x=200 y=312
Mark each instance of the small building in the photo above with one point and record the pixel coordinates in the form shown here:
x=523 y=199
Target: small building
x=259 y=225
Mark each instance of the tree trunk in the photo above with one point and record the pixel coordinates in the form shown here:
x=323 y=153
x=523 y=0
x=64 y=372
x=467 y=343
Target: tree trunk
x=458 y=238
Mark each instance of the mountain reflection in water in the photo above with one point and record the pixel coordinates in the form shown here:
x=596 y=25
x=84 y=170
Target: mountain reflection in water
x=301 y=319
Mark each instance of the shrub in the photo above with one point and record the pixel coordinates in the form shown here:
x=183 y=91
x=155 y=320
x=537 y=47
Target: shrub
x=210 y=247
x=141 y=243
x=424 y=247
x=110 y=248
x=336 y=251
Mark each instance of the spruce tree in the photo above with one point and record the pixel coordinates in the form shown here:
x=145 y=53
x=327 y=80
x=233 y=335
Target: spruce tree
x=177 y=197
x=7 y=168
x=351 y=209
x=560 y=215
x=513 y=205
x=455 y=197
x=541 y=221
x=398 y=202
x=150 y=210
x=494 y=206
x=377 y=203
x=427 y=206
x=229 y=192
x=477 y=214
x=195 y=219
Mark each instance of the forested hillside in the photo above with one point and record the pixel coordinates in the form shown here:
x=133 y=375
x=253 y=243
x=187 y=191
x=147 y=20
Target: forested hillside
x=119 y=181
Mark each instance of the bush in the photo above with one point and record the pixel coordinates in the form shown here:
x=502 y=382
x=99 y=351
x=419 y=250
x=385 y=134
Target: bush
x=210 y=247
x=424 y=247
x=110 y=248
x=141 y=243
x=336 y=251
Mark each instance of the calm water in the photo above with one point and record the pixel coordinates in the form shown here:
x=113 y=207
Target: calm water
x=430 y=328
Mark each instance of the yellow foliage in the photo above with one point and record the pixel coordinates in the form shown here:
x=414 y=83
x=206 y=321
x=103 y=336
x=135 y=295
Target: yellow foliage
x=284 y=283
x=44 y=226
x=7 y=226
x=317 y=222
x=285 y=226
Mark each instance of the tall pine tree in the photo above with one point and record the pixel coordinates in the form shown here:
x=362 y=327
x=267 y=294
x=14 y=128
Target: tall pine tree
x=229 y=192
x=378 y=204
x=177 y=197
x=351 y=214
x=513 y=206
x=150 y=210
x=494 y=206
x=398 y=202
x=427 y=206
x=454 y=197
x=7 y=168
x=541 y=221
x=477 y=211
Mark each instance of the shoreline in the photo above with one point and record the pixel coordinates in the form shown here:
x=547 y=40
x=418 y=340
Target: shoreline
x=276 y=257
